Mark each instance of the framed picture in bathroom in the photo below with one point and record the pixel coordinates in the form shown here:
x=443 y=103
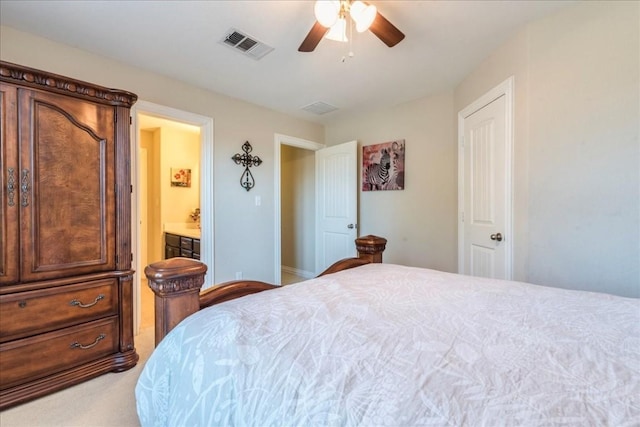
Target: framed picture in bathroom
x=180 y=177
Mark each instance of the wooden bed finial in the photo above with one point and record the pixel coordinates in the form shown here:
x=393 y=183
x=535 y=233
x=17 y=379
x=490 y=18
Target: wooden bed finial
x=176 y=283
x=371 y=247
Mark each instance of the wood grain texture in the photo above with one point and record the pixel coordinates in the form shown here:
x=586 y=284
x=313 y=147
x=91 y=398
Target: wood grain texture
x=65 y=271
x=9 y=185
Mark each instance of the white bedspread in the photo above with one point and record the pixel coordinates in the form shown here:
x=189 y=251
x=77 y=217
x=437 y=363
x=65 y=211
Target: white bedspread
x=390 y=345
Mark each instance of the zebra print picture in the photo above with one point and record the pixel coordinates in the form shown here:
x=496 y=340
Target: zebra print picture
x=383 y=166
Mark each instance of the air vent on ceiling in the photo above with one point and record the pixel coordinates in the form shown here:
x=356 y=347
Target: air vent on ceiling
x=245 y=44
x=319 y=108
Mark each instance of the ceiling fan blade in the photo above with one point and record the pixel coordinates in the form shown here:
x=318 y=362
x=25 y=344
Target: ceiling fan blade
x=313 y=38
x=386 y=31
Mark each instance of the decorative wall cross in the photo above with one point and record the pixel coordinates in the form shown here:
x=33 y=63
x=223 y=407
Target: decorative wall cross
x=247 y=160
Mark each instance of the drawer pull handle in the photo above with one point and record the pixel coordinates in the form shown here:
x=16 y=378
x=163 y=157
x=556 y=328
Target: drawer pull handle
x=76 y=344
x=81 y=305
x=22 y=304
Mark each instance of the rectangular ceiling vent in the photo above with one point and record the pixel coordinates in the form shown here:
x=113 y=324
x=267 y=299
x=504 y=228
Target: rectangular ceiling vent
x=245 y=44
x=320 y=108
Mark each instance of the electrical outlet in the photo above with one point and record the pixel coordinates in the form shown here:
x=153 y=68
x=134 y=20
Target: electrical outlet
x=238 y=275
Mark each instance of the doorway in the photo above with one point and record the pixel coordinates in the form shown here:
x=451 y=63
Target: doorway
x=149 y=177
x=297 y=203
x=485 y=232
x=281 y=141
x=162 y=145
x=335 y=201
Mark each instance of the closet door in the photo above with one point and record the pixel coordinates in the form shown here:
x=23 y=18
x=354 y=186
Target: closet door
x=9 y=186
x=68 y=206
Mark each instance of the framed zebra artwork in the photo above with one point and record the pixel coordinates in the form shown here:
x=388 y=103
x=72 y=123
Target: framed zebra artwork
x=383 y=166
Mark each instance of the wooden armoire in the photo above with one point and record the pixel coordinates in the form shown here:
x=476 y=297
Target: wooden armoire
x=66 y=309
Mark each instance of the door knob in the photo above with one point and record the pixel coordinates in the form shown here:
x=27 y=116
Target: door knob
x=350 y=226
x=497 y=236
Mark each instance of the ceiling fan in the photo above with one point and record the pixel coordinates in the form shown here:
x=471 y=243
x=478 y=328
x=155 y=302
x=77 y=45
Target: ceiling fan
x=332 y=19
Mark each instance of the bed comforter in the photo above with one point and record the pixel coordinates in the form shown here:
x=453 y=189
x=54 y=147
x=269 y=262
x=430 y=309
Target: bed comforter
x=391 y=345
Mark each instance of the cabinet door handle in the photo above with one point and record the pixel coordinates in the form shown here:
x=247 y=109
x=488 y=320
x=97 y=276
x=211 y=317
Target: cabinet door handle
x=77 y=303
x=25 y=188
x=76 y=344
x=11 y=186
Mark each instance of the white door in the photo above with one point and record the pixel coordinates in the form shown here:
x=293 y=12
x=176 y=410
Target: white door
x=336 y=203
x=485 y=187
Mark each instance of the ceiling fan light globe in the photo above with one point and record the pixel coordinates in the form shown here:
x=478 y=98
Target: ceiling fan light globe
x=338 y=31
x=363 y=15
x=327 y=12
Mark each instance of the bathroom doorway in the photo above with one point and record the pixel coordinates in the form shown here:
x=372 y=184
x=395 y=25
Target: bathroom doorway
x=162 y=136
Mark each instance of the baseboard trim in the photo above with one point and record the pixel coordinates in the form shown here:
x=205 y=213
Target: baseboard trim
x=298 y=272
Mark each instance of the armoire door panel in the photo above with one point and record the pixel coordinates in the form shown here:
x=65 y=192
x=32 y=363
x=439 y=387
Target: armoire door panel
x=68 y=187
x=9 y=186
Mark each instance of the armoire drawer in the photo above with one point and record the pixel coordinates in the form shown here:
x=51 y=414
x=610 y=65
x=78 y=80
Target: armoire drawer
x=33 y=312
x=42 y=355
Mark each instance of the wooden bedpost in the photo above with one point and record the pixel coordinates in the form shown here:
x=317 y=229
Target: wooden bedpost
x=176 y=283
x=371 y=247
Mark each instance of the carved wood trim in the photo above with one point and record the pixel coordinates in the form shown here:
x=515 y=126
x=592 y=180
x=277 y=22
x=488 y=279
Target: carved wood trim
x=175 y=275
x=176 y=283
x=371 y=247
x=25 y=76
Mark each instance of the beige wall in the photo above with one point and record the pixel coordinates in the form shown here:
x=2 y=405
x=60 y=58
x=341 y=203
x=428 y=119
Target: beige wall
x=509 y=60
x=243 y=231
x=577 y=152
x=584 y=140
x=576 y=155
x=419 y=221
x=298 y=208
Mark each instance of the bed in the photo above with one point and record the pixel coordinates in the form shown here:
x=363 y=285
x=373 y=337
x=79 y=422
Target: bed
x=381 y=344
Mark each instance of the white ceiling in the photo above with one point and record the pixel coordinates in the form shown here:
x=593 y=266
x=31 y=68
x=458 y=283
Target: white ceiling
x=444 y=41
